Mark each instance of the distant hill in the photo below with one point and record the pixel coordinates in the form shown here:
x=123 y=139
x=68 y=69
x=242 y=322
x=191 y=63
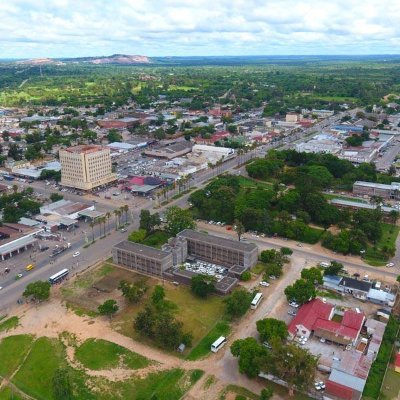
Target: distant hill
x=122 y=59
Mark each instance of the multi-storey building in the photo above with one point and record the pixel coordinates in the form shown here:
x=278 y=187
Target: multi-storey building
x=86 y=166
x=219 y=250
x=141 y=258
x=391 y=191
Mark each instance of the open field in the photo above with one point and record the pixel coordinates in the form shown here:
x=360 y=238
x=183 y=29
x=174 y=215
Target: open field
x=90 y=290
x=45 y=356
x=389 y=236
x=391 y=385
x=252 y=183
x=7 y=324
x=101 y=354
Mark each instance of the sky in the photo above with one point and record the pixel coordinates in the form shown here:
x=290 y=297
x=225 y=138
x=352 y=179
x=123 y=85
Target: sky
x=75 y=28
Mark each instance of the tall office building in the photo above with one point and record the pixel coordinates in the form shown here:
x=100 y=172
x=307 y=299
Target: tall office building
x=86 y=167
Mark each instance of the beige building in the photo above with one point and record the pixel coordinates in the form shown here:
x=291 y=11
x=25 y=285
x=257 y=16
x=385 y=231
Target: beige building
x=86 y=166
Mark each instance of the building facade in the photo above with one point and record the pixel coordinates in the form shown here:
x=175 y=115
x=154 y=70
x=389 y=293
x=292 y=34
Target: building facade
x=377 y=189
x=86 y=167
x=141 y=258
x=218 y=250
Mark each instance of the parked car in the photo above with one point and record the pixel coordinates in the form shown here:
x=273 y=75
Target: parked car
x=291 y=312
x=390 y=265
x=76 y=254
x=294 y=304
x=123 y=230
x=267 y=345
x=264 y=283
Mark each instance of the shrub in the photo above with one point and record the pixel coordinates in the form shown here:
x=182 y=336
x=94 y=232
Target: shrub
x=246 y=276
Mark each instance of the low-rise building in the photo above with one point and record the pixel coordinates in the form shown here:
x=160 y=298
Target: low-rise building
x=219 y=250
x=169 y=151
x=391 y=191
x=141 y=258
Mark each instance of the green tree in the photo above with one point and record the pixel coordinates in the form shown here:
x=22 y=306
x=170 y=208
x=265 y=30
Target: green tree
x=238 y=303
x=266 y=394
x=56 y=197
x=245 y=276
x=62 y=389
x=137 y=236
x=271 y=328
x=334 y=268
x=145 y=321
x=109 y=308
x=301 y=291
x=202 y=285
x=158 y=296
x=114 y=136
x=133 y=292
x=149 y=221
x=291 y=363
x=178 y=219
x=249 y=352
x=39 y=290
x=239 y=229
x=312 y=275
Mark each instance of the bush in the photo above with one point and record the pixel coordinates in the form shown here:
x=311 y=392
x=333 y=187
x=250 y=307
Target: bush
x=137 y=236
x=246 y=276
x=286 y=251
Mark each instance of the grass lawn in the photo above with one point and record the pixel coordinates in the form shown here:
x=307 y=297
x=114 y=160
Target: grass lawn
x=156 y=239
x=240 y=391
x=391 y=385
x=198 y=315
x=8 y=394
x=101 y=354
x=328 y=294
x=165 y=385
x=253 y=183
x=12 y=351
x=185 y=88
x=258 y=268
x=35 y=375
x=389 y=235
x=8 y=324
x=203 y=347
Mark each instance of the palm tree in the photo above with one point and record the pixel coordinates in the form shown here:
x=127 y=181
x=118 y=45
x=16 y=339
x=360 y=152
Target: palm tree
x=92 y=226
x=126 y=209
x=117 y=214
x=108 y=216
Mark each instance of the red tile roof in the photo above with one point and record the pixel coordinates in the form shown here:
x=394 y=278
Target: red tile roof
x=397 y=360
x=315 y=315
x=309 y=313
x=338 y=390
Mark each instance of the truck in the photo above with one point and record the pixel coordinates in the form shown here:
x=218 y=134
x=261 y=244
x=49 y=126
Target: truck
x=59 y=249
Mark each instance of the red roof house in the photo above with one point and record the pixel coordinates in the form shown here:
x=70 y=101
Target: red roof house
x=316 y=316
x=338 y=390
x=397 y=363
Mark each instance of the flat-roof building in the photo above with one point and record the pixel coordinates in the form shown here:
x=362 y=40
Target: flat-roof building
x=141 y=258
x=391 y=191
x=86 y=167
x=219 y=250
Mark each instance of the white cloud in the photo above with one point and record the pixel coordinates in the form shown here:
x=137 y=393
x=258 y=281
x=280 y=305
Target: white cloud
x=56 y=28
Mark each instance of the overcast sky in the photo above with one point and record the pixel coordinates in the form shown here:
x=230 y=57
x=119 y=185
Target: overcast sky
x=69 y=28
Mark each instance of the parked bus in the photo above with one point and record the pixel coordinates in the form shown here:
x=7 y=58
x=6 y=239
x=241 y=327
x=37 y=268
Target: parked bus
x=256 y=301
x=59 y=276
x=218 y=344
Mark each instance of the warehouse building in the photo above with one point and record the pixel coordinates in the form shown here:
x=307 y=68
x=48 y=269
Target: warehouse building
x=141 y=258
x=219 y=250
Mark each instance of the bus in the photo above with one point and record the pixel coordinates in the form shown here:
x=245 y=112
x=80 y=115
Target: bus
x=256 y=301
x=218 y=344
x=59 y=276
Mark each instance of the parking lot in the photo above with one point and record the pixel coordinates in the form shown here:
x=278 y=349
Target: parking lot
x=205 y=268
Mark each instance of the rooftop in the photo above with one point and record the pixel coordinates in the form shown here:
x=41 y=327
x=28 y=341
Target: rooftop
x=356 y=284
x=85 y=148
x=141 y=249
x=217 y=241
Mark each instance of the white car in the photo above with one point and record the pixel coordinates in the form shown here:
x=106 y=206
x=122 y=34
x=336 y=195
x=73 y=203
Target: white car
x=1 y=287
x=293 y=304
x=76 y=254
x=263 y=283
x=317 y=386
x=390 y=265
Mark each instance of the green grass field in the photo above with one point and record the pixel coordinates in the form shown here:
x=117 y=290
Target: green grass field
x=36 y=373
x=8 y=324
x=203 y=347
x=101 y=354
x=391 y=385
x=198 y=315
x=389 y=236
x=156 y=239
x=37 y=368
x=253 y=183
x=12 y=351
